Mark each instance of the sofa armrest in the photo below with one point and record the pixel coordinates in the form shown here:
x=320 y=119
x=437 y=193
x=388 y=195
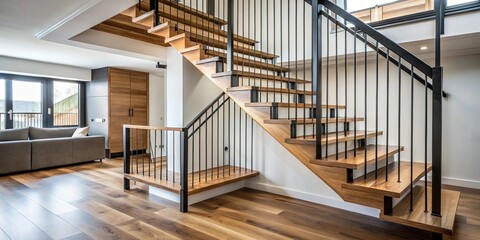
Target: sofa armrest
x=88 y=148
x=15 y=156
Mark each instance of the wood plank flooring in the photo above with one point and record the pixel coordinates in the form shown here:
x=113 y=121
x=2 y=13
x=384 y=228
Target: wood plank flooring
x=87 y=202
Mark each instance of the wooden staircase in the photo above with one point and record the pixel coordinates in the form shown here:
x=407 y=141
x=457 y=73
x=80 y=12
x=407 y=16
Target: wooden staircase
x=197 y=40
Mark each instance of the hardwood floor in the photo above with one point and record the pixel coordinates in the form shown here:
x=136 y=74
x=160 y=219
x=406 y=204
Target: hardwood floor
x=87 y=202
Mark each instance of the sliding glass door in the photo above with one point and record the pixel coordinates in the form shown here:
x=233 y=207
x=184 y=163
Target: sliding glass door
x=27 y=104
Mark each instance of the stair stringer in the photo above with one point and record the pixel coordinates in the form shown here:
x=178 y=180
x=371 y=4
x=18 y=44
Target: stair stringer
x=333 y=177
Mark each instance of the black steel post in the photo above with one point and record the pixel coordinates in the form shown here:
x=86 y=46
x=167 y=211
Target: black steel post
x=230 y=20
x=316 y=74
x=437 y=82
x=126 y=157
x=184 y=170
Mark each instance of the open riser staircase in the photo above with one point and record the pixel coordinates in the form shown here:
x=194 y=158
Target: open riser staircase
x=355 y=108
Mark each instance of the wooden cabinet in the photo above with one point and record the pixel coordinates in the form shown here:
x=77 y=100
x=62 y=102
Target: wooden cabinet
x=126 y=94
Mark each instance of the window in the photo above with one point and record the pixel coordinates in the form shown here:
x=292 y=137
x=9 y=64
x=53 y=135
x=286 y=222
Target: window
x=27 y=104
x=356 y=5
x=65 y=103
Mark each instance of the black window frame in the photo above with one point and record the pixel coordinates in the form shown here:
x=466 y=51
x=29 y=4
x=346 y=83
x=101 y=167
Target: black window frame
x=47 y=97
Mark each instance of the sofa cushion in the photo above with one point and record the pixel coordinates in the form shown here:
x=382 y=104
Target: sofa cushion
x=14 y=134
x=88 y=148
x=44 y=133
x=51 y=152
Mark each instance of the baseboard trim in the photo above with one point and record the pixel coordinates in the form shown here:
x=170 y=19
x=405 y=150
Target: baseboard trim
x=336 y=203
x=459 y=182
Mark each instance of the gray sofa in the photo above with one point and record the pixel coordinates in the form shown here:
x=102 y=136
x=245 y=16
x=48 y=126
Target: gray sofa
x=36 y=148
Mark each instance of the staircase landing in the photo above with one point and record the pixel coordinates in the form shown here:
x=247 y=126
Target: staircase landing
x=418 y=218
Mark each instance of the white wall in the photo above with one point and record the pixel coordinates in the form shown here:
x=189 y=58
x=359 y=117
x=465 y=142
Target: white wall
x=198 y=91
x=43 y=69
x=156 y=100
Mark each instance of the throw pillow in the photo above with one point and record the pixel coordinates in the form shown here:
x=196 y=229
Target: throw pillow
x=81 y=132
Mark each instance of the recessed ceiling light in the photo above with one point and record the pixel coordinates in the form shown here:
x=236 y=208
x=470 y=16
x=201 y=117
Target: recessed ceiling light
x=423 y=48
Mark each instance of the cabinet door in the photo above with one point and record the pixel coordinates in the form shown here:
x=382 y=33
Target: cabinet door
x=139 y=105
x=119 y=107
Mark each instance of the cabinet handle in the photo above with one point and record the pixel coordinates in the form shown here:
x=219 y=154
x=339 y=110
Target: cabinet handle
x=132 y=112
x=129 y=112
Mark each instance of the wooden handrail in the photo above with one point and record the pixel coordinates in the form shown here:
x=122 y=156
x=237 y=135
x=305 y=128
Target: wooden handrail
x=153 y=128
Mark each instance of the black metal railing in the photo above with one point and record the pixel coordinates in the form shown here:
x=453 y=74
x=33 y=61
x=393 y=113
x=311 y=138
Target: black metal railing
x=217 y=144
x=359 y=79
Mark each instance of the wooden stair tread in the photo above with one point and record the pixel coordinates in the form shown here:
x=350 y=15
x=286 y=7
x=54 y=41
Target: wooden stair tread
x=390 y=188
x=270 y=89
x=189 y=49
x=418 y=218
x=292 y=105
x=285 y=121
x=353 y=161
x=206 y=30
x=332 y=137
x=190 y=10
x=240 y=61
x=236 y=174
x=143 y=17
x=258 y=76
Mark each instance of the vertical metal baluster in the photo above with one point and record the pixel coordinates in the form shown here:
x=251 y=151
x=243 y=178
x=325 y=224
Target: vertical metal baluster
x=249 y=37
x=218 y=139
x=274 y=51
x=288 y=56
x=223 y=138
x=305 y=76
x=281 y=51
x=173 y=157
x=266 y=59
x=155 y=156
x=151 y=153
x=136 y=150
x=211 y=142
x=327 y=79
x=336 y=92
x=355 y=94
x=388 y=114
x=166 y=162
x=199 y=149
x=206 y=146
x=426 y=143
x=255 y=48
x=246 y=131
x=296 y=62
x=145 y=151
x=251 y=145
x=399 y=112
x=366 y=98
x=346 y=91
x=376 y=110
x=411 y=140
x=240 y=139
x=229 y=137
x=261 y=47
x=193 y=154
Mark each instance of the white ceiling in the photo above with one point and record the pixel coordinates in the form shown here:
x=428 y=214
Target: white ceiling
x=32 y=16
x=57 y=21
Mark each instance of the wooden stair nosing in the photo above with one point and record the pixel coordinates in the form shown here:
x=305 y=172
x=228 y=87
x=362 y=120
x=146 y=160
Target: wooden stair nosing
x=190 y=10
x=292 y=105
x=274 y=90
x=358 y=161
x=285 y=121
x=392 y=188
x=206 y=30
x=332 y=139
x=143 y=16
x=420 y=219
x=269 y=77
x=241 y=61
